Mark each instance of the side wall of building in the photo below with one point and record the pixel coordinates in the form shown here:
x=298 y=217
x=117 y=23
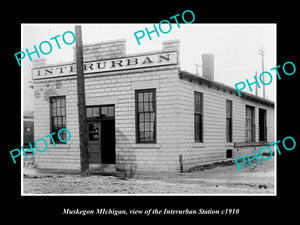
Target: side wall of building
x=214 y=145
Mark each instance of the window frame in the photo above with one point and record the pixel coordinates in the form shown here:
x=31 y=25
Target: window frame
x=52 y=127
x=229 y=118
x=199 y=115
x=100 y=116
x=263 y=128
x=252 y=127
x=137 y=117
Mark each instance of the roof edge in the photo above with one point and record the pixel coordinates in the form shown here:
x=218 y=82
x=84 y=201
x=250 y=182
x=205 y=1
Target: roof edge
x=192 y=77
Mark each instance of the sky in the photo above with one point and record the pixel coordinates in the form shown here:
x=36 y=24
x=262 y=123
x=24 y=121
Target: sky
x=235 y=47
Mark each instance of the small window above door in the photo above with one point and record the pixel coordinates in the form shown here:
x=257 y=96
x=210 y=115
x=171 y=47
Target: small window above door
x=100 y=111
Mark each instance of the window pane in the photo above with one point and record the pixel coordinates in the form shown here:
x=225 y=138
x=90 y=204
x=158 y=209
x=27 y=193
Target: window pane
x=64 y=121
x=146 y=107
x=141 y=108
x=63 y=135
x=59 y=122
x=146 y=97
x=142 y=127
x=63 y=111
x=96 y=112
x=147 y=116
x=91 y=127
x=152 y=117
x=147 y=126
x=55 y=122
x=151 y=136
x=104 y=111
x=53 y=101
x=151 y=106
x=151 y=96
x=58 y=111
x=111 y=111
x=198 y=102
x=142 y=136
x=141 y=118
x=63 y=102
x=152 y=126
x=53 y=111
x=89 y=112
x=58 y=103
x=140 y=97
x=147 y=136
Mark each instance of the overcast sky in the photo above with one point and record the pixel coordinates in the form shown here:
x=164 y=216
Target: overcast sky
x=235 y=47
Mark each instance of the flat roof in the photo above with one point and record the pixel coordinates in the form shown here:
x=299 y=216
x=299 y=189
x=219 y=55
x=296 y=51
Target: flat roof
x=220 y=86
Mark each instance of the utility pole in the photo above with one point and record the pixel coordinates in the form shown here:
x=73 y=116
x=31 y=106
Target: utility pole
x=84 y=157
x=261 y=52
x=256 y=89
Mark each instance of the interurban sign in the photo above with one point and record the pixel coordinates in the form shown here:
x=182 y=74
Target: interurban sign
x=134 y=62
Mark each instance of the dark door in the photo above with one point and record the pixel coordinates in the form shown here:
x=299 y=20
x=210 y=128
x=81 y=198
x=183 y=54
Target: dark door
x=108 y=152
x=94 y=142
x=262 y=125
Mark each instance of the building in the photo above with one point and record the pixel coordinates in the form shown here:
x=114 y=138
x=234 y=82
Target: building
x=145 y=113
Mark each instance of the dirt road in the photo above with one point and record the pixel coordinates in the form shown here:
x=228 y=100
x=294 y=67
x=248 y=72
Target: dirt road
x=223 y=179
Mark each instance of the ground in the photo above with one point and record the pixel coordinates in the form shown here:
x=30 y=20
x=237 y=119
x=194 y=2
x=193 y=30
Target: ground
x=219 y=178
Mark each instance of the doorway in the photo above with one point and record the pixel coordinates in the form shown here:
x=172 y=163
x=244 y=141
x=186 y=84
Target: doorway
x=108 y=153
x=101 y=134
x=262 y=124
x=94 y=142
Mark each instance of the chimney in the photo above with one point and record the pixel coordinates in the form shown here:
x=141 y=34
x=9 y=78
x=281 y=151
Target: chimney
x=208 y=66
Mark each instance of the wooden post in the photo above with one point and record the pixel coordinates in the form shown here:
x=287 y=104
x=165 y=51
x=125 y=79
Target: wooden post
x=256 y=87
x=180 y=163
x=83 y=138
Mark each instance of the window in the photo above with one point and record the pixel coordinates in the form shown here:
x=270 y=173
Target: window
x=93 y=132
x=250 y=123
x=228 y=121
x=228 y=153
x=103 y=111
x=198 y=116
x=145 y=101
x=262 y=125
x=58 y=117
